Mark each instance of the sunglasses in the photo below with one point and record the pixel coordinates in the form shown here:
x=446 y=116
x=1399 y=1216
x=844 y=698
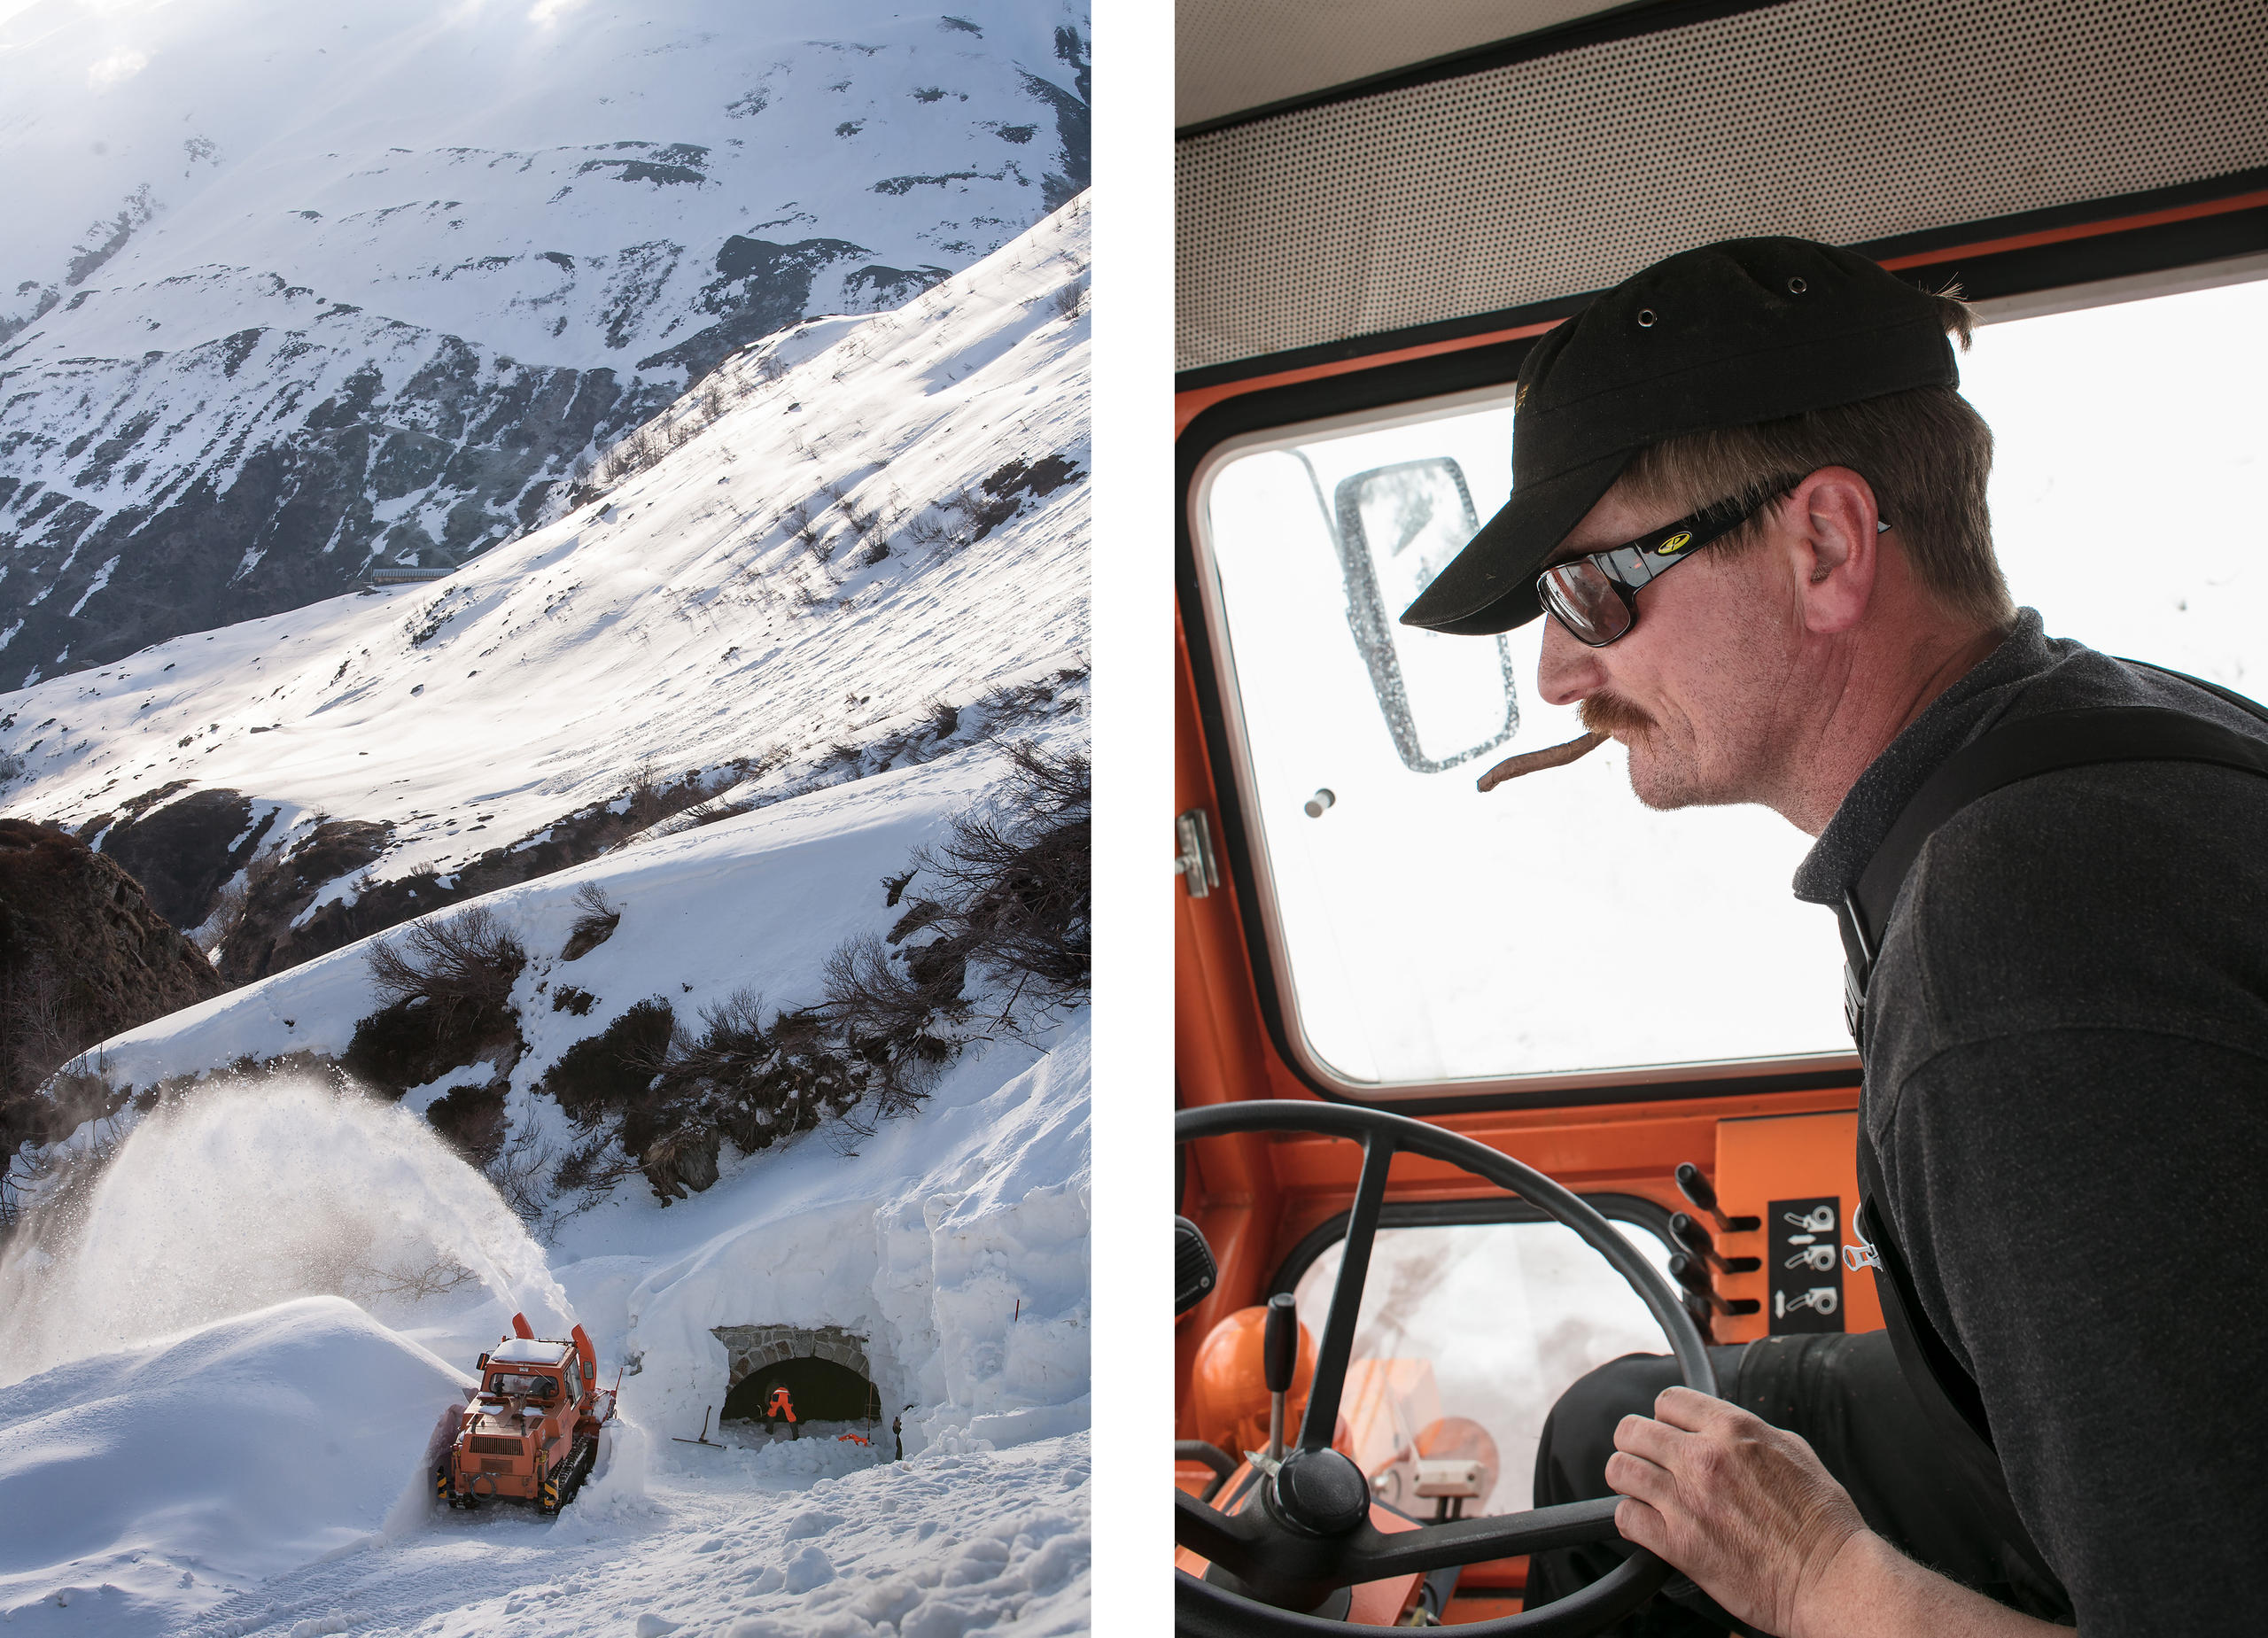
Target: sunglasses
x=1596 y=596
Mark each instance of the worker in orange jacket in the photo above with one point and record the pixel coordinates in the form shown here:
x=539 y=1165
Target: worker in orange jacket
x=782 y=1404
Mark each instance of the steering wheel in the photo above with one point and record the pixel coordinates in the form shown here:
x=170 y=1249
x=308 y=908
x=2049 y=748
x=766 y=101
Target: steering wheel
x=1311 y=1533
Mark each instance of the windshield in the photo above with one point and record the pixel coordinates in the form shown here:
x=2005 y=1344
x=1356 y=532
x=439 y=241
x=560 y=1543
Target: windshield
x=1466 y=1336
x=523 y=1385
x=1424 y=933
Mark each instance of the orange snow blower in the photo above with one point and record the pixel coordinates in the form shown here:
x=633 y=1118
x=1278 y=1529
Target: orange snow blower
x=530 y=1432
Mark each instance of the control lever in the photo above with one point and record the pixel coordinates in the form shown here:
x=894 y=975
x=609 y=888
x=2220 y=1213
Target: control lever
x=1696 y=1239
x=1695 y=1188
x=1693 y=1274
x=1279 y=1355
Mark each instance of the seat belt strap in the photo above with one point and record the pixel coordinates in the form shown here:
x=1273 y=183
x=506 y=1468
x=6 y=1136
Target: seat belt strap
x=2007 y=754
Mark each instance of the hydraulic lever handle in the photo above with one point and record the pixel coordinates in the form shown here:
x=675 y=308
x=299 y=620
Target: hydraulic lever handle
x=1280 y=1343
x=1695 y=1188
x=1694 y=1238
x=1279 y=1356
x=1694 y=1276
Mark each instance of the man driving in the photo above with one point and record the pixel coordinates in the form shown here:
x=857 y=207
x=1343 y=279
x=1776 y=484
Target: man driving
x=1751 y=501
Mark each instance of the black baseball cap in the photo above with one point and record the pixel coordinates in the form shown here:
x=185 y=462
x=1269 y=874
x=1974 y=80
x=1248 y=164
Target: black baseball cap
x=1726 y=335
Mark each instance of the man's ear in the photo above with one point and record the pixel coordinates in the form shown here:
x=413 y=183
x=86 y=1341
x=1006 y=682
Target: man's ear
x=1829 y=524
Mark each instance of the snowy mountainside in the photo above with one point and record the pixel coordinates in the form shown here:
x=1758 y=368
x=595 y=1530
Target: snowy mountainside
x=835 y=597
x=876 y=554
x=291 y=290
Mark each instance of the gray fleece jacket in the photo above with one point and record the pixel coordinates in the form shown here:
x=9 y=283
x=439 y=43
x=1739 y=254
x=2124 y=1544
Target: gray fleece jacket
x=2066 y=1093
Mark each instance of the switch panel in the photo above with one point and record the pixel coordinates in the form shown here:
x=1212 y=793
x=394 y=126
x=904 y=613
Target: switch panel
x=1798 y=1174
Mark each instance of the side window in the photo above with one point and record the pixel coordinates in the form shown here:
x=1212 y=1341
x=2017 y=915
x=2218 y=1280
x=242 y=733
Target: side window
x=1423 y=933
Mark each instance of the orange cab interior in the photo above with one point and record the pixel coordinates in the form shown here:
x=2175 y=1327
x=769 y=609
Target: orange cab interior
x=1772 y=1136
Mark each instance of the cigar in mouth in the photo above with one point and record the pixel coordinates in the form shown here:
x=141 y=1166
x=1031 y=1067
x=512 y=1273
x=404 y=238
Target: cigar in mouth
x=1528 y=762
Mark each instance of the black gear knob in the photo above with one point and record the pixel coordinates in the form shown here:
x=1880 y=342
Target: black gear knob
x=1280 y=1342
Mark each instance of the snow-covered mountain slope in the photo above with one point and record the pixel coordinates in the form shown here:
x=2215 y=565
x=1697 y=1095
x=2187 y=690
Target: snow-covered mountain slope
x=875 y=553
x=857 y=572
x=288 y=289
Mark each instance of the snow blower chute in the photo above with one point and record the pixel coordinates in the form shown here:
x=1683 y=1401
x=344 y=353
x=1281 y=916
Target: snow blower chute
x=530 y=1432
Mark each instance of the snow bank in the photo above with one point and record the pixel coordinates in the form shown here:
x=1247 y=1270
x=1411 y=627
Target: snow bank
x=957 y=1244
x=157 y=1479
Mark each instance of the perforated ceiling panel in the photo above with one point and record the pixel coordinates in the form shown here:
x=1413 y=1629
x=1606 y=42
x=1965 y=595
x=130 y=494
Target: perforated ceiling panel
x=1232 y=55
x=1845 y=120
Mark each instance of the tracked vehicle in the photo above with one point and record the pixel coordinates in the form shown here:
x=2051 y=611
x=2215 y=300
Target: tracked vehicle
x=530 y=1431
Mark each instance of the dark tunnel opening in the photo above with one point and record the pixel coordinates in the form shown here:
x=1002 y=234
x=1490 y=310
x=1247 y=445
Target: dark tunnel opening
x=822 y=1391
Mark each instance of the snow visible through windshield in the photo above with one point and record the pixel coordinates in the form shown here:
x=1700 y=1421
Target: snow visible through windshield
x=1485 y=1321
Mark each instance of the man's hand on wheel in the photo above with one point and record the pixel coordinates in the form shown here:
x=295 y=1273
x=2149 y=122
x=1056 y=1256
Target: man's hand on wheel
x=1739 y=1505
x=1746 y=1511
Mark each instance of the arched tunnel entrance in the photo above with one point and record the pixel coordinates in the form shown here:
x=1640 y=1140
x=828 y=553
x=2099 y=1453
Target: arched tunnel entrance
x=823 y=1368
x=821 y=1390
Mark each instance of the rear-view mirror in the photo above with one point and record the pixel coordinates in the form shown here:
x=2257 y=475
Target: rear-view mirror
x=1445 y=700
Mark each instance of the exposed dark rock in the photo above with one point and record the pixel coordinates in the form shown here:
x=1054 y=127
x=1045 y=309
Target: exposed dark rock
x=683 y=1161
x=83 y=955
x=1006 y=489
x=760 y=287
x=878 y=287
x=1074 y=120
x=269 y=942
x=182 y=851
x=280 y=511
x=265 y=939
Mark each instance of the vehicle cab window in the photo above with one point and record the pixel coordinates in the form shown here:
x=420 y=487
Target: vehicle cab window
x=1423 y=936
x=522 y=1385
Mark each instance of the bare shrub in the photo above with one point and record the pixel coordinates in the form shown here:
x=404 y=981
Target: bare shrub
x=468 y=962
x=1070 y=298
x=439 y=1275
x=522 y=1173
x=226 y=917
x=1013 y=888
x=944 y=716
x=598 y=916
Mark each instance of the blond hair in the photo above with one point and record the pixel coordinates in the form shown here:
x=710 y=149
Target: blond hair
x=1925 y=451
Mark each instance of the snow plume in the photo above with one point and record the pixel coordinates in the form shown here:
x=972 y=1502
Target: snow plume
x=241 y=1198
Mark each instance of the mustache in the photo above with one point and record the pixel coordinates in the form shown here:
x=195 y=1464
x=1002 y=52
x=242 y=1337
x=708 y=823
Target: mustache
x=1604 y=713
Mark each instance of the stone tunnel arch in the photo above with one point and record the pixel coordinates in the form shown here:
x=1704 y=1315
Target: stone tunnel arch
x=824 y=1368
